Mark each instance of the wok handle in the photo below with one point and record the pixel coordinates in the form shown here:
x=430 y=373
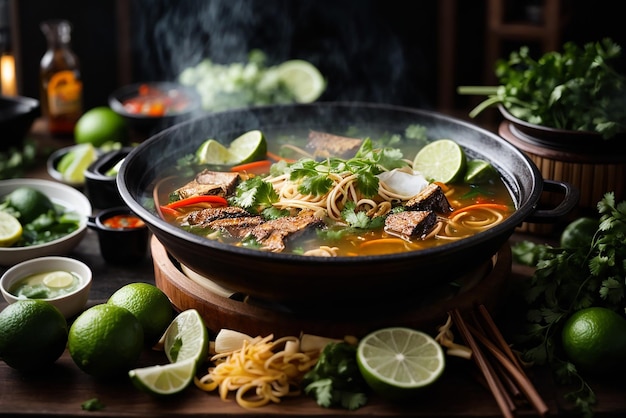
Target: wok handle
x=571 y=197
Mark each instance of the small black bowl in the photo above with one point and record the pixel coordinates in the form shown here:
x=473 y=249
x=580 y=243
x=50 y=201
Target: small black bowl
x=146 y=125
x=101 y=187
x=120 y=245
x=17 y=115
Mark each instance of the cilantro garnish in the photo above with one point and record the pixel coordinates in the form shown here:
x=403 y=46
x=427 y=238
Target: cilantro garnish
x=254 y=195
x=336 y=380
x=567 y=280
x=314 y=177
x=359 y=219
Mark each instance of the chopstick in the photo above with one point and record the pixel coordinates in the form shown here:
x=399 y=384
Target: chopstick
x=507 y=367
x=481 y=361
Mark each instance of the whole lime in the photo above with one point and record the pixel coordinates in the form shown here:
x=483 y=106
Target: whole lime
x=100 y=125
x=33 y=334
x=579 y=233
x=594 y=339
x=29 y=203
x=150 y=306
x=105 y=340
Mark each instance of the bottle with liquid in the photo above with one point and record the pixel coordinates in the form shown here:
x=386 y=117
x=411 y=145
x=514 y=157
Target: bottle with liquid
x=60 y=80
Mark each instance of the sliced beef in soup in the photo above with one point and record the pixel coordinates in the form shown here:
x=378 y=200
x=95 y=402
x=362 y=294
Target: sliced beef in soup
x=273 y=234
x=431 y=198
x=411 y=224
x=238 y=227
x=324 y=145
x=203 y=217
x=209 y=183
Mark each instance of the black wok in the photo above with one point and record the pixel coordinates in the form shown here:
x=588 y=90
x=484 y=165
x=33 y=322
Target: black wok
x=301 y=280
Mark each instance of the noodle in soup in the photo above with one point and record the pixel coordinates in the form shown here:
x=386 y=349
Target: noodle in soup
x=351 y=208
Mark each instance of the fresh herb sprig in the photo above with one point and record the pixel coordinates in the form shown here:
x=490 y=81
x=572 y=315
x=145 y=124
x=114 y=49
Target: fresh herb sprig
x=336 y=380
x=366 y=164
x=567 y=280
x=16 y=160
x=313 y=177
x=575 y=89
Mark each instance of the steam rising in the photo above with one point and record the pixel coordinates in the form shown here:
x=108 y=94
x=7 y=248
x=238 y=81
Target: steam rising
x=357 y=49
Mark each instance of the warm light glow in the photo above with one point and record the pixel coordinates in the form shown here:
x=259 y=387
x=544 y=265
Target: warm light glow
x=7 y=73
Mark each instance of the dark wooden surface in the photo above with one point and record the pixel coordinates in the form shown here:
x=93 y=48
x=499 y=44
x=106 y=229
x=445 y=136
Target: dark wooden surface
x=61 y=389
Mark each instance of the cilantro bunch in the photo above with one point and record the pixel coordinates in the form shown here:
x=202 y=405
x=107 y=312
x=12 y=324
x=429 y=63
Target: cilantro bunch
x=336 y=380
x=575 y=89
x=567 y=280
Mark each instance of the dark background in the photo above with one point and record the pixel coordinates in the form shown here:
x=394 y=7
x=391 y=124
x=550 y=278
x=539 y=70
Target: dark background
x=371 y=50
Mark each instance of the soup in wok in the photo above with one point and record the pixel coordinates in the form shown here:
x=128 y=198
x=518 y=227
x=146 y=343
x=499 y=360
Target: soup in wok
x=334 y=193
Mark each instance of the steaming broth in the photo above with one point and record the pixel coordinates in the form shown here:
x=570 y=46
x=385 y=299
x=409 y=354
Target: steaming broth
x=355 y=241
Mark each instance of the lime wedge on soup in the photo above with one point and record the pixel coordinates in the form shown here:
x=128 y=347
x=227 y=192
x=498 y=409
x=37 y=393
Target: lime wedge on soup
x=213 y=152
x=442 y=160
x=251 y=146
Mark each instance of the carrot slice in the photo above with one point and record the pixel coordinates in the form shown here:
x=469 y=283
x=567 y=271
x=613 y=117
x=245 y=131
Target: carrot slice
x=255 y=167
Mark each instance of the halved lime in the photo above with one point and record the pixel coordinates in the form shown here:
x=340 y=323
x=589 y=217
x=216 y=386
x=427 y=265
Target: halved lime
x=250 y=146
x=213 y=152
x=10 y=229
x=84 y=155
x=396 y=362
x=186 y=338
x=303 y=79
x=164 y=379
x=442 y=160
x=58 y=279
x=479 y=171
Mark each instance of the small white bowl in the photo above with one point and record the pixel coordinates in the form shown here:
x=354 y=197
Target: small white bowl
x=60 y=194
x=69 y=304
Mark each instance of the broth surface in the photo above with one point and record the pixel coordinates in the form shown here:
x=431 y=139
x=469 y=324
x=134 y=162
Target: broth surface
x=477 y=207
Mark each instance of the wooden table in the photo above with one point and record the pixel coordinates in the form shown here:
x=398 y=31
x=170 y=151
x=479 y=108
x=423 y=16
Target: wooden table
x=61 y=389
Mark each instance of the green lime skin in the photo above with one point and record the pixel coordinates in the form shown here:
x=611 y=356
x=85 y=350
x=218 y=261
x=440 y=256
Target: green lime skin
x=150 y=306
x=105 y=341
x=33 y=335
x=594 y=339
x=100 y=125
x=579 y=233
x=30 y=203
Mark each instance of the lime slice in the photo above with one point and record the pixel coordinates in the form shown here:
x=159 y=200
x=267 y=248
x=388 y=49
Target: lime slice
x=65 y=162
x=84 y=155
x=248 y=147
x=213 y=152
x=10 y=229
x=186 y=338
x=112 y=172
x=58 y=279
x=166 y=379
x=479 y=171
x=396 y=362
x=303 y=79
x=442 y=160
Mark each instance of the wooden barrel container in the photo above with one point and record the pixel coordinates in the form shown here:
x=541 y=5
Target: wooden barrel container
x=595 y=171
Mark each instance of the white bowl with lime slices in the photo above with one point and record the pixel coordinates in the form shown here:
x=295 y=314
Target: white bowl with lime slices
x=62 y=281
x=30 y=239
